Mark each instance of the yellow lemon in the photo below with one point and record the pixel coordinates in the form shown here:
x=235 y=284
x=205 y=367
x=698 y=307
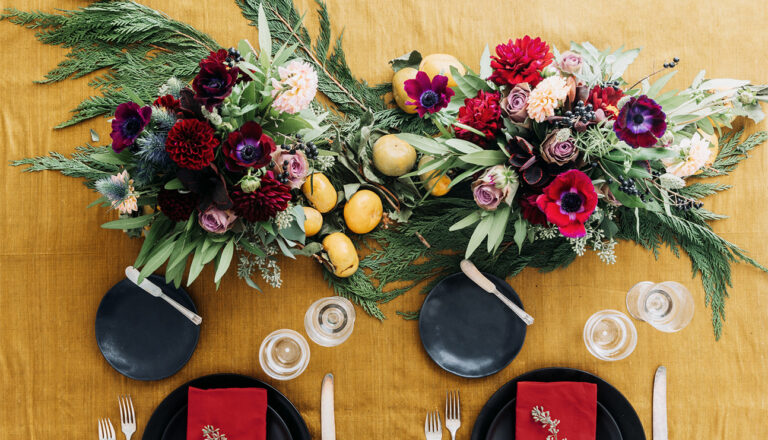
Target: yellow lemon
x=320 y=192
x=398 y=88
x=393 y=156
x=342 y=254
x=440 y=64
x=430 y=179
x=363 y=211
x=313 y=221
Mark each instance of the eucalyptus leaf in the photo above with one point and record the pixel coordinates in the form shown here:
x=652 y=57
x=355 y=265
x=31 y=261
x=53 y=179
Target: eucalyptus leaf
x=485 y=63
x=521 y=231
x=158 y=229
x=130 y=222
x=498 y=227
x=469 y=220
x=225 y=258
x=480 y=233
x=485 y=158
x=158 y=257
x=265 y=40
x=412 y=59
x=424 y=144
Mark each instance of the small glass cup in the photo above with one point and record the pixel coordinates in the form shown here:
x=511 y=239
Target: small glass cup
x=284 y=354
x=330 y=321
x=610 y=335
x=667 y=306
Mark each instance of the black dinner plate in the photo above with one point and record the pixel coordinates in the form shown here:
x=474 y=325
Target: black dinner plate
x=468 y=331
x=609 y=397
x=177 y=427
x=503 y=426
x=141 y=336
x=177 y=401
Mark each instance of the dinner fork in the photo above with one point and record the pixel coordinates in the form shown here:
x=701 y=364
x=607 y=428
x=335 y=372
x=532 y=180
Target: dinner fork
x=106 y=430
x=127 y=416
x=432 y=428
x=452 y=412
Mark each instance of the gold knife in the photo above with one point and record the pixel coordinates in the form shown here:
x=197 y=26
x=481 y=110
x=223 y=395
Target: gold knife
x=327 y=420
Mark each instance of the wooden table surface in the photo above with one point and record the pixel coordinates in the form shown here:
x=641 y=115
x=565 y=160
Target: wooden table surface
x=56 y=263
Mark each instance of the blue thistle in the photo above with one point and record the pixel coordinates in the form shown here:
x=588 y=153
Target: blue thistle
x=151 y=142
x=113 y=189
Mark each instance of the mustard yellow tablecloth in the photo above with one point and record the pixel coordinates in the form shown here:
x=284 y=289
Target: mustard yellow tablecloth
x=55 y=261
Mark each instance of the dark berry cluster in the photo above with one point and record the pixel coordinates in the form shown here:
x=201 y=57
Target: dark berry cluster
x=309 y=148
x=613 y=84
x=580 y=112
x=684 y=203
x=284 y=176
x=233 y=57
x=672 y=64
x=628 y=186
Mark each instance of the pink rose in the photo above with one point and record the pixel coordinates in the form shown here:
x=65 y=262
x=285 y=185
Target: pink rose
x=559 y=147
x=294 y=164
x=570 y=62
x=515 y=104
x=215 y=220
x=497 y=184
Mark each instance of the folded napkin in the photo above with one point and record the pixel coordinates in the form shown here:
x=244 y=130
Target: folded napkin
x=574 y=404
x=237 y=413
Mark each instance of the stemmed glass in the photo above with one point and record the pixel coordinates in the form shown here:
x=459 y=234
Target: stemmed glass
x=667 y=306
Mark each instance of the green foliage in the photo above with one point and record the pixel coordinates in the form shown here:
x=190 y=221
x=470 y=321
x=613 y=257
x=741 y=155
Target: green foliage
x=140 y=48
x=83 y=164
x=732 y=151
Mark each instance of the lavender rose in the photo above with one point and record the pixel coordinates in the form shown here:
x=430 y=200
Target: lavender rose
x=515 y=104
x=497 y=184
x=559 y=148
x=294 y=164
x=570 y=62
x=215 y=220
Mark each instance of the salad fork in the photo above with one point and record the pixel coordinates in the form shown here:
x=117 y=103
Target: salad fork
x=127 y=416
x=432 y=428
x=106 y=430
x=452 y=412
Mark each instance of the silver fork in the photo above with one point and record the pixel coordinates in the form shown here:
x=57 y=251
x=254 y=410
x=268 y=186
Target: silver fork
x=452 y=412
x=106 y=430
x=127 y=416
x=432 y=428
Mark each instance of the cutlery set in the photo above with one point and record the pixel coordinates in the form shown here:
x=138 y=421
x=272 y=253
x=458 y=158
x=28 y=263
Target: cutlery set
x=127 y=421
x=433 y=429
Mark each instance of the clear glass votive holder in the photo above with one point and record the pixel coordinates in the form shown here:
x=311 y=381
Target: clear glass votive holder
x=284 y=354
x=330 y=321
x=610 y=335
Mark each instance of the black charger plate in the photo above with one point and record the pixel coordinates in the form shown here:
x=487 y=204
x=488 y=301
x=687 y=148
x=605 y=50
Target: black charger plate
x=177 y=427
x=177 y=401
x=503 y=426
x=468 y=331
x=609 y=397
x=141 y=336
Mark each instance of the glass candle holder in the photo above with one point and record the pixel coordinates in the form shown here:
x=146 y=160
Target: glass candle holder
x=330 y=321
x=667 y=306
x=284 y=354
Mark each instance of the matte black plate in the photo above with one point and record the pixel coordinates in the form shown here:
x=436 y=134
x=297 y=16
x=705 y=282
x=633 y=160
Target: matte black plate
x=468 y=331
x=503 y=426
x=177 y=427
x=613 y=401
x=177 y=401
x=143 y=337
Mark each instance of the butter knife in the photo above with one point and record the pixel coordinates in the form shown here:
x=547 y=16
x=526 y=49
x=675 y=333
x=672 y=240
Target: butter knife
x=153 y=289
x=481 y=280
x=660 y=404
x=327 y=420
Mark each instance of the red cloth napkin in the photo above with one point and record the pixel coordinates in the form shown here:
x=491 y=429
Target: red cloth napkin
x=573 y=403
x=238 y=413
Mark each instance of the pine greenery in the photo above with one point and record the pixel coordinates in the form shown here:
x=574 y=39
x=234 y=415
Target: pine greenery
x=139 y=48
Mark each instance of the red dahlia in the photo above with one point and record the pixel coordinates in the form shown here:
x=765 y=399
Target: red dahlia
x=168 y=102
x=605 y=99
x=521 y=61
x=482 y=113
x=175 y=205
x=190 y=144
x=262 y=204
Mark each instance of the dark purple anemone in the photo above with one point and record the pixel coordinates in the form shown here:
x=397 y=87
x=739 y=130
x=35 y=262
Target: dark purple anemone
x=640 y=122
x=428 y=96
x=130 y=120
x=248 y=147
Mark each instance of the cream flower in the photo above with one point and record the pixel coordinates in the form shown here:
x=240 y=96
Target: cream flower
x=546 y=97
x=296 y=88
x=692 y=155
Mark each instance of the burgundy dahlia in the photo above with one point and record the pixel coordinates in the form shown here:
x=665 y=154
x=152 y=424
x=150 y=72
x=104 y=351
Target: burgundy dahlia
x=130 y=120
x=262 y=204
x=604 y=101
x=483 y=113
x=215 y=80
x=429 y=96
x=169 y=102
x=248 y=147
x=531 y=211
x=520 y=61
x=175 y=205
x=190 y=143
x=640 y=122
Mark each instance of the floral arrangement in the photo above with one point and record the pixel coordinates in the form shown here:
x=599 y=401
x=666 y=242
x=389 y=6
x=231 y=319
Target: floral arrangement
x=540 y=155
